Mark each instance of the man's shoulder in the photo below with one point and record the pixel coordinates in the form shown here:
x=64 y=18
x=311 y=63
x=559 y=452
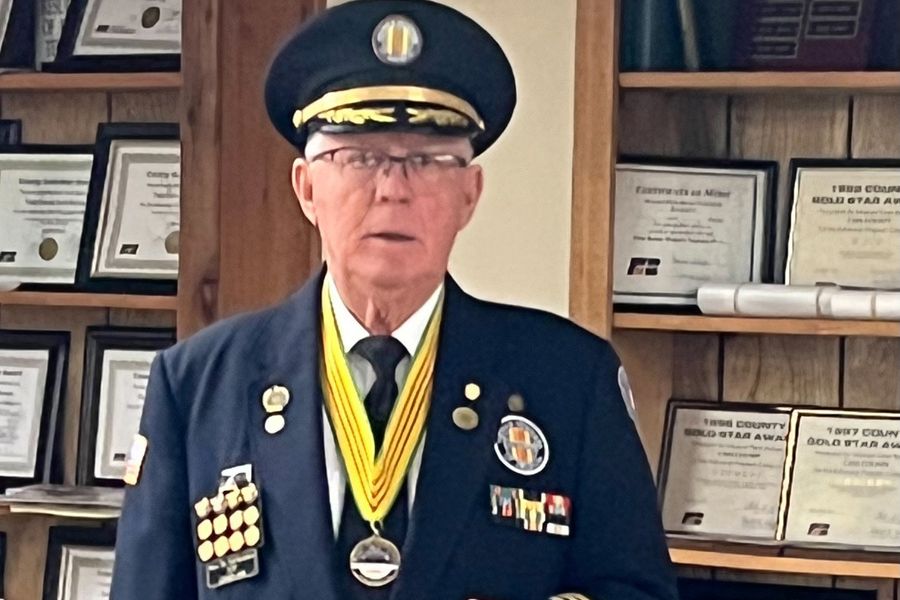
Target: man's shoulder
x=233 y=335
x=538 y=329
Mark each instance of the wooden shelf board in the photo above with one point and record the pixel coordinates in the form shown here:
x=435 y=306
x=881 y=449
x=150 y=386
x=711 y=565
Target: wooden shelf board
x=709 y=324
x=750 y=561
x=59 y=82
x=89 y=300
x=765 y=81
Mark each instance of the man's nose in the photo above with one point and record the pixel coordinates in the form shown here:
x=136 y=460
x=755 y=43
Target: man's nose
x=392 y=182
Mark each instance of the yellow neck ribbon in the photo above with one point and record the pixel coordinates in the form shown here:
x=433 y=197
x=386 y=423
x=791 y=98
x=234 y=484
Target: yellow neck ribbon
x=376 y=480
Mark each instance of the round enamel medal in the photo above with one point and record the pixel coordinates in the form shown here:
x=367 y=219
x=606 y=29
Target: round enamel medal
x=397 y=40
x=375 y=561
x=521 y=446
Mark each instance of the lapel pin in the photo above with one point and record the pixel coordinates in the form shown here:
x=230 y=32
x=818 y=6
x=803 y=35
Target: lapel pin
x=465 y=418
x=516 y=403
x=275 y=399
x=274 y=424
x=521 y=446
x=472 y=391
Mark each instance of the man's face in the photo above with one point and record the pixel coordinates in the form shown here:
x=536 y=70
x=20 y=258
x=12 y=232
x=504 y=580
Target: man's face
x=393 y=226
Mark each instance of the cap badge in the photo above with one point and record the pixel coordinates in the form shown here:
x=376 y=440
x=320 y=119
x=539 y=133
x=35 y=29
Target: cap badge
x=397 y=40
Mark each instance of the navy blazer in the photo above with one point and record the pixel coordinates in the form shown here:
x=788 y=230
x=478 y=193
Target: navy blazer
x=203 y=414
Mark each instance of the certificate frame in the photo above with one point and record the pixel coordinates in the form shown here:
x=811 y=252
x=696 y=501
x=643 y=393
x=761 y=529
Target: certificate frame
x=17 y=33
x=797 y=165
x=107 y=134
x=666 y=451
x=61 y=537
x=10 y=132
x=48 y=456
x=788 y=484
x=68 y=60
x=98 y=340
x=762 y=234
x=53 y=149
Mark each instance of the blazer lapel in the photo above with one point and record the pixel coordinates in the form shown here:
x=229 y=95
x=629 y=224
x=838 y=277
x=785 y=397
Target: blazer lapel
x=290 y=465
x=454 y=462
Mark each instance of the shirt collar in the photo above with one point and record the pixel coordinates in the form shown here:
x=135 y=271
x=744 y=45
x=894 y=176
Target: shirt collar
x=409 y=333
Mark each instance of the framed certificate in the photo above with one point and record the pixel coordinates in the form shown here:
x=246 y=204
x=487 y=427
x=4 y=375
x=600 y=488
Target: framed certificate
x=133 y=220
x=79 y=563
x=116 y=372
x=845 y=223
x=844 y=486
x=120 y=35
x=32 y=379
x=722 y=469
x=10 y=132
x=43 y=196
x=679 y=224
x=51 y=14
x=16 y=34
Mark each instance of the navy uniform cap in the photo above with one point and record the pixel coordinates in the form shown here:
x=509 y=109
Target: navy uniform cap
x=373 y=65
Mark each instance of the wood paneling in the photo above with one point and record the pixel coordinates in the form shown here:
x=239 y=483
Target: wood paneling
x=782 y=369
x=781 y=127
x=265 y=241
x=56 y=118
x=590 y=265
x=147 y=107
x=695 y=368
x=673 y=124
x=200 y=159
x=647 y=358
x=884 y=587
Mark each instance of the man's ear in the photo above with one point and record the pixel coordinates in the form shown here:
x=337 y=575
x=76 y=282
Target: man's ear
x=302 y=185
x=474 y=185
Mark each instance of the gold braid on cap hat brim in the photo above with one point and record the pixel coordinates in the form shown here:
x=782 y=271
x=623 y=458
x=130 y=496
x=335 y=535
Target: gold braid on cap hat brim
x=387 y=93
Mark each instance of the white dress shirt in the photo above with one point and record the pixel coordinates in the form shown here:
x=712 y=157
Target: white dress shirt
x=409 y=333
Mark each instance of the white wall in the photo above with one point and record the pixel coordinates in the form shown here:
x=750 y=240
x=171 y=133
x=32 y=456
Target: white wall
x=517 y=248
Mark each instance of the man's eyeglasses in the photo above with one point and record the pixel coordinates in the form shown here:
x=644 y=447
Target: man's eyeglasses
x=365 y=163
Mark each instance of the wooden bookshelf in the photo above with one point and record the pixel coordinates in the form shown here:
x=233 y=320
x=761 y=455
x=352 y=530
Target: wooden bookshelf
x=84 y=82
x=754 y=559
x=49 y=299
x=757 y=325
x=765 y=81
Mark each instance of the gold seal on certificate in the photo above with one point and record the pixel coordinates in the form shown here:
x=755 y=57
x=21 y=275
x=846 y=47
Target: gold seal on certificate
x=43 y=194
x=845 y=484
x=845 y=223
x=117 y=370
x=723 y=467
x=79 y=563
x=32 y=376
x=120 y=35
x=134 y=208
x=679 y=224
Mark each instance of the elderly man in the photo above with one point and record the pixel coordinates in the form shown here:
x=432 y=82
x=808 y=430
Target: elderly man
x=382 y=434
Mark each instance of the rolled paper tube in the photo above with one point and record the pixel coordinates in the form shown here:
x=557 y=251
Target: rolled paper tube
x=772 y=300
x=853 y=304
x=717 y=298
x=7 y=284
x=887 y=306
